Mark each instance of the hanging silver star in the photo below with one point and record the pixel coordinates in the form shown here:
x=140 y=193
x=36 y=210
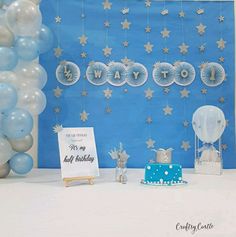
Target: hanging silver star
x=147 y=29
x=84 y=93
x=126 y=61
x=185 y=145
x=184 y=93
x=201 y=29
x=57 y=128
x=125 y=11
x=107 y=93
x=165 y=33
x=221 y=18
x=57 y=110
x=149 y=120
x=107 y=5
x=57 y=92
x=203 y=65
x=183 y=48
x=58 y=19
x=167 y=110
x=83 y=55
x=108 y=110
x=148 y=3
x=222 y=100
x=57 y=52
x=204 y=91
x=166 y=90
x=165 y=50
x=221 y=59
x=106 y=24
x=221 y=43
x=202 y=48
x=224 y=147
x=83 y=40
x=125 y=43
x=84 y=116
x=125 y=24
x=125 y=90
x=185 y=123
x=149 y=93
x=200 y=11
x=150 y=143
x=181 y=13
x=164 y=12
x=148 y=47
x=107 y=51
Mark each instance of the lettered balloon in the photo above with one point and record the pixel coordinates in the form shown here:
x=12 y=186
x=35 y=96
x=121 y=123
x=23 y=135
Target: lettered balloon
x=208 y=123
x=23 y=18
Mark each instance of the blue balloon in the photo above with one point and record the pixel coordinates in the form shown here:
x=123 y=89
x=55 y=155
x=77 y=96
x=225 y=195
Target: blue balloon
x=17 y=123
x=8 y=97
x=27 y=48
x=21 y=163
x=45 y=39
x=8 y=59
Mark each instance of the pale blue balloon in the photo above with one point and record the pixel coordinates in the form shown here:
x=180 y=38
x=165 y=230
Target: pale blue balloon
x=21 y=163
x=8 y=2
x=17 y=123
x=8 y=97
x=27 y=48
x=45 y=39
x=8 y=59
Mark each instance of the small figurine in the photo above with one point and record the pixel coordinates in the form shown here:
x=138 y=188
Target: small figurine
x=121 y=168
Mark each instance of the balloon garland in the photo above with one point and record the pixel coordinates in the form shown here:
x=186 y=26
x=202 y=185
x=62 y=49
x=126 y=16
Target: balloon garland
x=22 y=39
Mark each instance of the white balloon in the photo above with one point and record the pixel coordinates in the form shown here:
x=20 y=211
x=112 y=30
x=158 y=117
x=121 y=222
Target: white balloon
x=6 y=37
x=208 y=123
x=32 y=99
x=31 y=75
x=36 y=1
x=24 y=18
x=6 y=150
x=9 y=78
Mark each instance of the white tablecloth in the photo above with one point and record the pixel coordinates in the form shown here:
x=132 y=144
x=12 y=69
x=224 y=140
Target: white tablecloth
x=40 y=206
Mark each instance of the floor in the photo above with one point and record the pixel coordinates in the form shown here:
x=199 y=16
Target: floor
x=39 y=206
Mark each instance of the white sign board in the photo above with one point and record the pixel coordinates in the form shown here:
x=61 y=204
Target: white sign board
x=78 y=154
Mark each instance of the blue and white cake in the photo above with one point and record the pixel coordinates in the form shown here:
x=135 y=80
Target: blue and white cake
x=163 y=174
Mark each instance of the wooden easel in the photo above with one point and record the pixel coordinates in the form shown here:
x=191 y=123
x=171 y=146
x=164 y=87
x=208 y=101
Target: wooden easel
x=67 y=181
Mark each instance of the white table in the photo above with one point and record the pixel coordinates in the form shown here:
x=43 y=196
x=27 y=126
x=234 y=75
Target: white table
x=40 y=206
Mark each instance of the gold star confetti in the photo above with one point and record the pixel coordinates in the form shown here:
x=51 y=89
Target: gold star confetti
x=57 y=52
x=57 y=128
x=201 y=29
x=84 y=116
x=107 y=51
x=147 y=29
x=185 y=123
x=183 y=48
x=221 y=59
x=83 y=55
x=221 y=18
x=125 y=11
x=125 y=43
x=164 y=12
x=165 y=33
x=149 y=120
x=150 y=143
x=222 y=100
x=148 y=47
x=148 y=3
x=126 y=61
x=57 y=92
x=200 y=11
x=107 y=5
x=221 y=44
x=84 y=93
x=125 y=24
x=165 y=50
x=58 y=19
x=184 y=93
x=107 y=24
x=181 y=13
x=108 y=110
x=148 y=93
x=83 y=40
x=202 y=48
x=107 y=93
x=185 y=145
x=167 y=110
x=57 y=110
x=204 y=91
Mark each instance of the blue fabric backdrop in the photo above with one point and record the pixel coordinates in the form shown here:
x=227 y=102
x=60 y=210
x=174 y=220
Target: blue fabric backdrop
x=127 y=121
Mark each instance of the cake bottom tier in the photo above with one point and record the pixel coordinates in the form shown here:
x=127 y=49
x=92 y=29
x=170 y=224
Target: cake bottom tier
x=160 y=173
